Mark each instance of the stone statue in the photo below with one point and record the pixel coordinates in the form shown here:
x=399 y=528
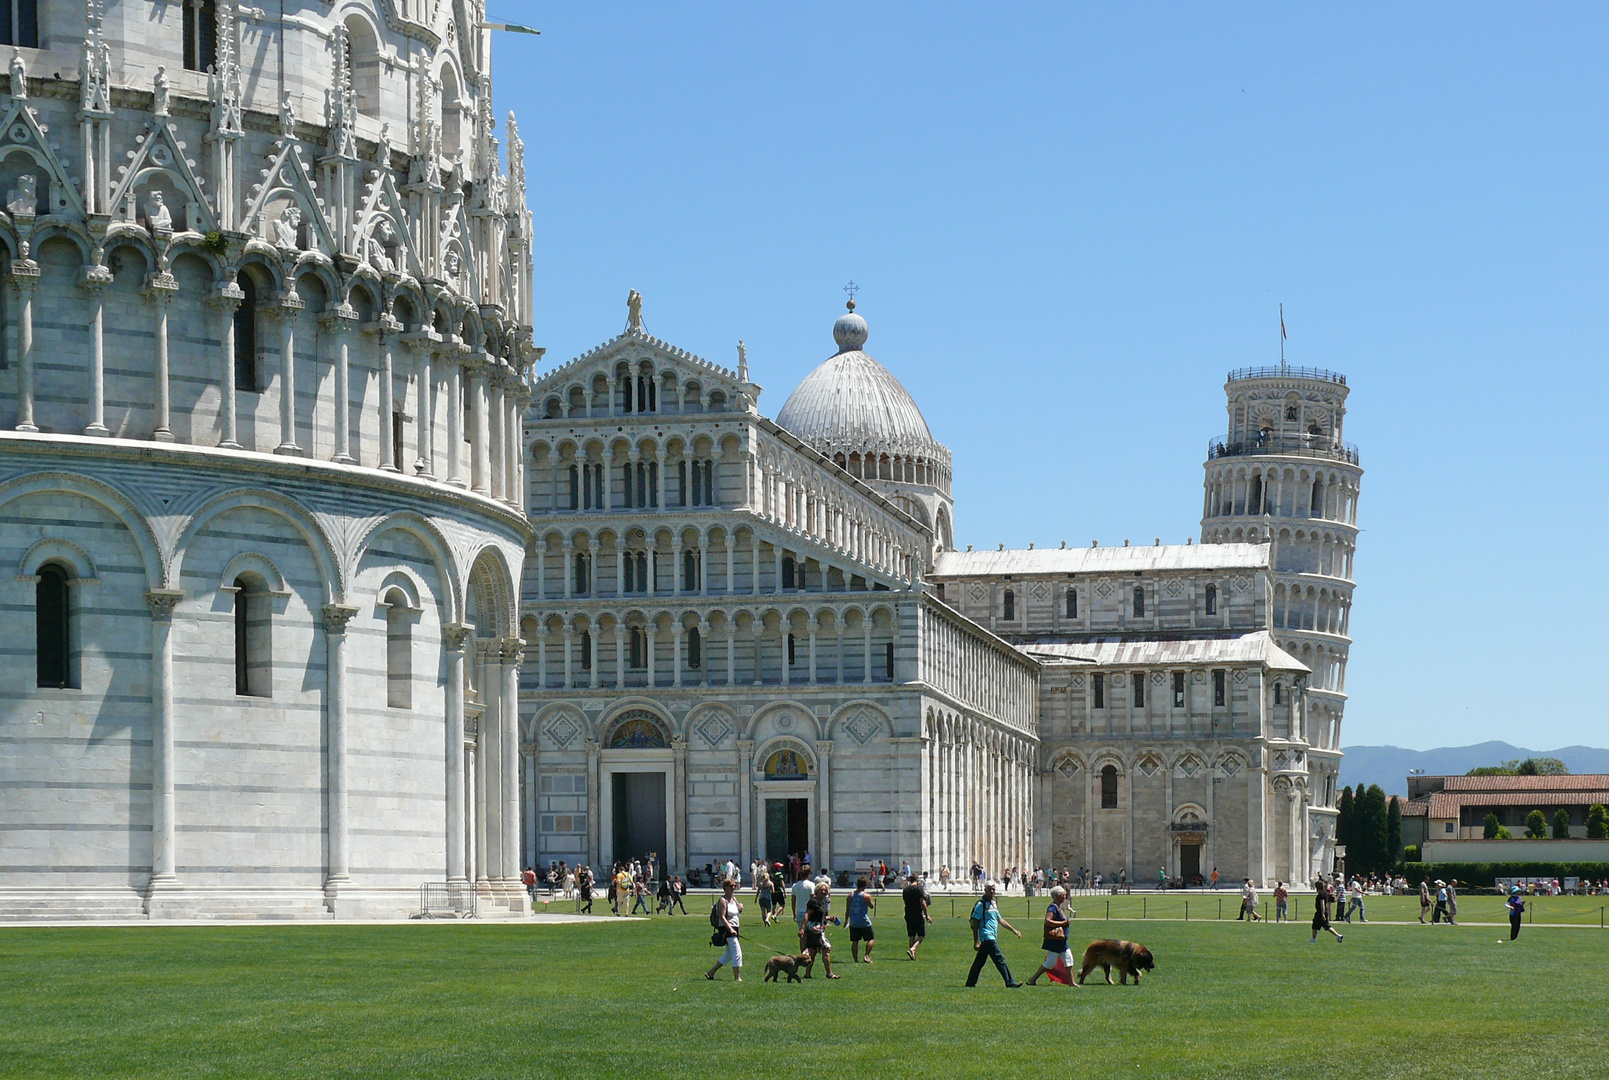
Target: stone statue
x=285 y=228
x=19 y=76
x=158 y=217
x=287 y=119
x=23 y=200
x=742 y=361
x=381 y=243
x=634 y=310
x=160 y=85
x=382 y=151
x=453 y=264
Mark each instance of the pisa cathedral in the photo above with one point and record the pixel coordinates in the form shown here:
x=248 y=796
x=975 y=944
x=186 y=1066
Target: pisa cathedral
x=325 y=588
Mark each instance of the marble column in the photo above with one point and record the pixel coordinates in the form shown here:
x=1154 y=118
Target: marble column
x=388 y=405
x=824 y=805
x=163 y=855
x=512 y=651
x=678 y=802
x=94 y=280
x=160 y=289
x=336 y=616
x=452 y=639
x=340 y=322
x=453 y=358
x=24 y=278
x=289 y=306
x=745 y=800
x=479 y=461
x=497 y=455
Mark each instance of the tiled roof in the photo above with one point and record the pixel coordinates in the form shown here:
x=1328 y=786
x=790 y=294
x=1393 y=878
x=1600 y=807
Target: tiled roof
x=1414 y=807
x=1253 y=648
x=1528 y=784
x=1103 y=560
x=1444 y=804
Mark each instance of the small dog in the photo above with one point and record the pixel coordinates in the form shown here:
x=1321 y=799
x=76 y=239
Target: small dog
x=1128 y=957
x=784 y=965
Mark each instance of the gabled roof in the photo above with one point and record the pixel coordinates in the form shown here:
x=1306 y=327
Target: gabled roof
x=1103 y=560
x=1446 y=804
x=634 y=336
x=1256 y=647
x=1524 y=784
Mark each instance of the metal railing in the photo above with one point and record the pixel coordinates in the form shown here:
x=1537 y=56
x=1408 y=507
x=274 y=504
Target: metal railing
x=1314 y=446
x=1286 y=371
x=447 y=900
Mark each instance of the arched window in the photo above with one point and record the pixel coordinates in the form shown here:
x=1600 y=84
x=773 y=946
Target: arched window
x=53 y=628
x=1072 y=603
x=690 y=571
x=398 y=650
x=19 y=23
x=1255 y=504
x=638 y=657
x=451 y=124
x=575 y=488
x=1139 y=601
x=793 y=657
x=1109 y=787
x=200 y=34
x=254 y=626
x=586 y=650
x=581 y=575
x=1315 y=505
x=246 y=336
x=695 y=649
x=1010 y=605
x=1279 y=694
x=363 y=61
x=1212 y=599
x=1137 y=683
x=626 y=382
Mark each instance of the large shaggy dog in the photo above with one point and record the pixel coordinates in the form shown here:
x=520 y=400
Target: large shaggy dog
x=1128 y=957
x=784 y=965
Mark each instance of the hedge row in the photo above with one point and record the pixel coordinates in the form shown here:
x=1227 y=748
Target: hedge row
x=1488 y=873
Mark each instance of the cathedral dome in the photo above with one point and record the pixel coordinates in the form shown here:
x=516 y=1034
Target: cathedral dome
x=853 y=404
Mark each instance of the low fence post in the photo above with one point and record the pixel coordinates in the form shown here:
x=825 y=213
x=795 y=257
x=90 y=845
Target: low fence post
x=1187 y=911
x=1143 y=902
x=1220 y=908
x=1108 y=911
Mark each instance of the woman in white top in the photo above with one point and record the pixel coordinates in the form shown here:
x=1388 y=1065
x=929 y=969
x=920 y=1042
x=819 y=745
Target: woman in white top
x=724 y=919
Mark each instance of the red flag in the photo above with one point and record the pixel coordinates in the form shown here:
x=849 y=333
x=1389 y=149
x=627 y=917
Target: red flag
x=1060 y=973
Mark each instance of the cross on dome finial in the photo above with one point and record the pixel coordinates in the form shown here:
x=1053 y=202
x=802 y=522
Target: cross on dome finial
x=851 y=289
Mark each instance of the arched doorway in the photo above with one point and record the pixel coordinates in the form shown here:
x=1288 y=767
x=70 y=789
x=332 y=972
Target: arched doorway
x=636 y=773
x=786 y=792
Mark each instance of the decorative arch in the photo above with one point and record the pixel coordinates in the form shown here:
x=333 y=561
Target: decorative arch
x=561 y=724
x=862 y=721
x=250 y=562
x=638 y=728
x=65 y=552
x=426 y=532
x=785 y=757
x=332 y=582
x=793 y=718
x=112 y=500
x=491 y=583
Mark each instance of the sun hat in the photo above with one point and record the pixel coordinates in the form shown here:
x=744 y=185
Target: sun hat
x=1513 y=888
x=1440 y=883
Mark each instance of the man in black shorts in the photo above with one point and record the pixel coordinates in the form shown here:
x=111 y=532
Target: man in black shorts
x=916 y=916
x=1322 y=899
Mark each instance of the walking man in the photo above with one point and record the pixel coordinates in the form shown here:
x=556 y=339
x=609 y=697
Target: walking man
x=1282 y=897
x=986 y=923
x=1248 y=902
x=725 y=920
x=1424 y=899
x=861 y=907
x=1322 y=899
x=1441 y=904
x=916 y=916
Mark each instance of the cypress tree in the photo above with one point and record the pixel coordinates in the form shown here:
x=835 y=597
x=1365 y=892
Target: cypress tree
x=1344 y=826
x=1393 y=833
x=1374 y=828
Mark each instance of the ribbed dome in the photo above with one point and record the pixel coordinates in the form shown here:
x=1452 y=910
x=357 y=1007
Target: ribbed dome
x=851 y=403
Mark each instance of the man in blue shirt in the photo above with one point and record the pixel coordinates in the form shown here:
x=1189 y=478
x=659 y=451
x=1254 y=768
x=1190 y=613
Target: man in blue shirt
x=986 y=923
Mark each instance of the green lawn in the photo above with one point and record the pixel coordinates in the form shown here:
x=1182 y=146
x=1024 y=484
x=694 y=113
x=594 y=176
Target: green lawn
x=506 y=1000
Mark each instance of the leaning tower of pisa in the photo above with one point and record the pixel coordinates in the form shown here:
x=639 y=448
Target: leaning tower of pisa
x=1284 y=476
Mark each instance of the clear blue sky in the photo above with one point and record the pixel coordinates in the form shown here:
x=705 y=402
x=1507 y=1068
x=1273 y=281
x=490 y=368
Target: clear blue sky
x=1069 y=224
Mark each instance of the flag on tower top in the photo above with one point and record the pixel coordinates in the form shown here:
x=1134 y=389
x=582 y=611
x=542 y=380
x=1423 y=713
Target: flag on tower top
x=1283 y=336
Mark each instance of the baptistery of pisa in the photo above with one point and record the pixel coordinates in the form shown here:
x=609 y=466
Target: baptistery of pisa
x=324 y=590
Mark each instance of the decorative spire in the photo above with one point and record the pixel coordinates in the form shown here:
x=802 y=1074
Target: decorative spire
x=516 y=167
x=225 y=82
x=343 y=101
x=95 y=69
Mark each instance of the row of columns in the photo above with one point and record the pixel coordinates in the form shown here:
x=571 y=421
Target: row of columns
x=982 y=798
x=497 y=815
x=569 y=551
x=496 y=397
x=680 y=671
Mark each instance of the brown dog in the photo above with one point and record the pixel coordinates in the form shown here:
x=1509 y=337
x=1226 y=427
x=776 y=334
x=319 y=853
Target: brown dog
x=784 y=965
x=1128 y=957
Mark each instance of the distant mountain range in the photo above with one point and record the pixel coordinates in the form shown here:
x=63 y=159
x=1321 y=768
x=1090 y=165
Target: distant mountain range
x=1388 y=765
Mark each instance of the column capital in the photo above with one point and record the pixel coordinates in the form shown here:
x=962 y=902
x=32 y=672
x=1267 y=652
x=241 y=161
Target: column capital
x=745 y=746
x=162 y=602
x=94 y=278
x=336 y=616
x=454 y=636
x=341 y=317
x=824 y=747
x=160 y=287
x=24 y=275
x=384 y=325
x=226 y=297
x=511 y=651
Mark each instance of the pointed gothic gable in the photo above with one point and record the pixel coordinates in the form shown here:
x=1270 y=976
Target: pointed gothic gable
x=381 y=234
x=286 y=183
x=458 y=243
x=158 y=162
x=23 y=137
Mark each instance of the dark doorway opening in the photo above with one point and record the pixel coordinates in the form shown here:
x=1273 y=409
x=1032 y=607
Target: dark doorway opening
x=639 y=816
x=787 y=828
x=1189 y=862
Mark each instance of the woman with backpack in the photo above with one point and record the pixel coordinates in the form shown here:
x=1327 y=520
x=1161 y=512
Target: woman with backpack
x=724 y=919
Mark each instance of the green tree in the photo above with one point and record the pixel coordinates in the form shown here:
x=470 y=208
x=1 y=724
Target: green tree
x=1561 y=824
x=1374 y=827
x=1490 y=770
x=1493 y=826
x=1597 y=822
x=1344 y=826
x=1541 y=766
x=1393 y=833
x=1536 y=825
x=1503 y=833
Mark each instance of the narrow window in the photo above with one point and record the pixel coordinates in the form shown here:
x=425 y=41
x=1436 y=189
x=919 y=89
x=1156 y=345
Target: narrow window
x=681 y=483
x=1255 y=504
x=628 y=572
x=625 y=479
x=625 y=393
x=396 y=441
x=1212 y=599
x=1178 y=689
x=1279 y=694
x=53 y=627
x=1218 y=689
x=638 y=653
x=1072 y=603
x=200 y=34
x=253 y=639
x=709 y=483
x=1010 y=605
x=19 y=23
x=398 y=651
x=689 y=571
x=246 y=336
x=1137 y=681
x=787 y=572
x=1098 y=687
x=1139 y=601
x=1109 y=788
x=1315 y=505
x=695 y=649
x=792 y=653
x=888 y=660
x=580 y=574
x=586 y=650
x=653 y=485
